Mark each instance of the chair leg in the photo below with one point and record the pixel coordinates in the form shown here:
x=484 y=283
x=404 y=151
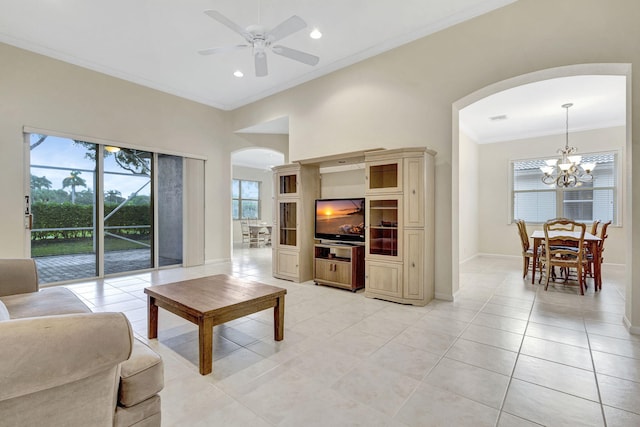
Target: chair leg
x=526 y=266
x=547 y=271
x=580 y=280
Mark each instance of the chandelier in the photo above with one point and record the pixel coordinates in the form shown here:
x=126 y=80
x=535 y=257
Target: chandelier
x=567 y=171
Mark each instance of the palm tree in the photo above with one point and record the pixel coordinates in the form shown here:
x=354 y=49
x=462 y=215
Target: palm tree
x=73 y=181
x=40 y=182
x=112 y=196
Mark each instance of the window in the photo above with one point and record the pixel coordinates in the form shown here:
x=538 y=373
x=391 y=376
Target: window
x=536 y=202
x=245 y=199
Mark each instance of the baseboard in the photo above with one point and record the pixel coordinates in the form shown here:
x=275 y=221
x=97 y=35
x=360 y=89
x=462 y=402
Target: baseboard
x=443 y=297
x=634 y=330
x=217 y=260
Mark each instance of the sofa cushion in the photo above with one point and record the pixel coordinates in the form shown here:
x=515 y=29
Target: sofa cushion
x=141 y=376
x=47 y=302
x=144 y=414
x=4 y=313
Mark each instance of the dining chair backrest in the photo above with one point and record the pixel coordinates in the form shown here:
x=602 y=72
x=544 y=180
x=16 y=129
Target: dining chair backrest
x=562 y=224
x=522 y=231
x=603 y=231
x=603 y=236
x=563 y=245
x=594 y=227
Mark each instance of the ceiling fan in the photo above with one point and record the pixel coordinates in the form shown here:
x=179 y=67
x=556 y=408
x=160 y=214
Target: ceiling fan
x=260 y=40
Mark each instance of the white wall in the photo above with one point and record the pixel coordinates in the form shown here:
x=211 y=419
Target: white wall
x=265 y=177
x=469 y=196
x=494 y=212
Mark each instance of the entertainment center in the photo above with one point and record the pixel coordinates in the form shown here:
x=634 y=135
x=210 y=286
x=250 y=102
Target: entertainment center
x=382 y=241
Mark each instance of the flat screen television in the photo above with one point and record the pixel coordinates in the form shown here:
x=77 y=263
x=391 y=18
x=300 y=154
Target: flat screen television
x=340 y=220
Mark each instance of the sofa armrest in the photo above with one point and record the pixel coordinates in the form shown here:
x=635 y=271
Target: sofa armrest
x=18 y=276
x=141 y=376
x=44 y=352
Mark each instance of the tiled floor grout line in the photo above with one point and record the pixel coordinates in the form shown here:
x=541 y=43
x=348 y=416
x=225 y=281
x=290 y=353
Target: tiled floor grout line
x=595 y=374
x=515 y=364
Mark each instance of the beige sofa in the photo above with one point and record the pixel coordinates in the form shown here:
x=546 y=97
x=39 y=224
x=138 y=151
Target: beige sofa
x=62 y=365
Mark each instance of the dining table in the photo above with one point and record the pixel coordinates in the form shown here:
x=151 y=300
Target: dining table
x=591 y=242
x=255 y=229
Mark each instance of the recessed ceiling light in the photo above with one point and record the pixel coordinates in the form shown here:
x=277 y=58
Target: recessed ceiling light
x=315 y=34
x=498 y=118
x=238 y=73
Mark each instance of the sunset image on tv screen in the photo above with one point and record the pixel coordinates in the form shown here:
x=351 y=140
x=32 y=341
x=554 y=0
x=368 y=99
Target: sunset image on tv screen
x=340 y=216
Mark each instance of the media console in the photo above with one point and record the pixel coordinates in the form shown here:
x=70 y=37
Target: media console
x=340 y=265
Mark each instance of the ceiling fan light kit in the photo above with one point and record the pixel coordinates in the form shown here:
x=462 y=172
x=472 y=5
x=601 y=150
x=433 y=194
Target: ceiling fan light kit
x=261 y=40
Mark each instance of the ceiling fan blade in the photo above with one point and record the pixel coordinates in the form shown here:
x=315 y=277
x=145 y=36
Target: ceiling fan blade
x=229 y=24
x=260 y=59
x=223 y=49
x=287 y=27
x=296 y=55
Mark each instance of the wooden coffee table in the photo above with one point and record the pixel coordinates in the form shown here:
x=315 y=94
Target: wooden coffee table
x=213 y=300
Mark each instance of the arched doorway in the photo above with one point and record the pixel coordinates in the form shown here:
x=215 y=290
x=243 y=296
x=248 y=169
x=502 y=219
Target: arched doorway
x=252 y=187
x=461 y=167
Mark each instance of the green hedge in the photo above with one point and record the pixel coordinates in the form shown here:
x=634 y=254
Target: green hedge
x=67 y=215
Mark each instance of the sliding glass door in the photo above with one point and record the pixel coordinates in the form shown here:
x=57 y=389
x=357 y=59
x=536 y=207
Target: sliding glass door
x=63 y=207
x=100 y=209
x=128 y=213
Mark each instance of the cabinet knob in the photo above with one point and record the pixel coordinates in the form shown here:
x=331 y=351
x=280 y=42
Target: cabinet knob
x=413 y=264
x=414 y=191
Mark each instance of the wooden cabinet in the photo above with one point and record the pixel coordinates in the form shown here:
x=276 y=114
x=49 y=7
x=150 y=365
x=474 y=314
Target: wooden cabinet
x=383 y=280
x=341 y=266
x=383 y=221
x=400 y=220
x=296 y=188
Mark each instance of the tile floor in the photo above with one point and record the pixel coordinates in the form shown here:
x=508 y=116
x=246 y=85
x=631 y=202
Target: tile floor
x=505 y=353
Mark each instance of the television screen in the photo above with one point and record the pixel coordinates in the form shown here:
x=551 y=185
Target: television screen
x=340 y=219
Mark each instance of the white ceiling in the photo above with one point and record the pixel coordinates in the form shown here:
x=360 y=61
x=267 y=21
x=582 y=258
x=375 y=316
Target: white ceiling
x=536 y=109
x=257 y=158
x=155 y=43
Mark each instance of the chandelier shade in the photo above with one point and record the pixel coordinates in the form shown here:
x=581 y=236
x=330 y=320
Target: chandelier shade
x=567 y=171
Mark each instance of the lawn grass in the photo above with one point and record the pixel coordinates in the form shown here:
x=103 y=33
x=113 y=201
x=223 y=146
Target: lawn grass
x=41 y=248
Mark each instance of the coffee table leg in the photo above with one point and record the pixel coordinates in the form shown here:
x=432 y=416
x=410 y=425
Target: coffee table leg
x=152 y=331
x=205 y=341
x=278 y=319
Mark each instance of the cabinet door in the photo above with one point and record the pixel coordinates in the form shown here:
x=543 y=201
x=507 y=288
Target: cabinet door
x=383 y=279
x=333 y=271
x=384 y=224
x=287 y=223
x=287 y=183
x=383 y=176
x=287 y=263
x=414 y=192
x=414 y=280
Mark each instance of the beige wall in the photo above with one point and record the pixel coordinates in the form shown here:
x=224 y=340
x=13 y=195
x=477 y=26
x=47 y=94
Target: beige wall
x=494 y=209
x=348 y=183
x=405 y=96
x=469 y=198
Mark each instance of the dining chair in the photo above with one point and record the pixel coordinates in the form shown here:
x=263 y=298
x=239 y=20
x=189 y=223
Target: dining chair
x=603 y=237
x=564 y=250
x=594 y=227
x=246 y=235
x=527 y=251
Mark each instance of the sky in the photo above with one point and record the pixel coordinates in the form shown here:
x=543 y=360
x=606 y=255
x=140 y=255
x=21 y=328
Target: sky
x=63 y=153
